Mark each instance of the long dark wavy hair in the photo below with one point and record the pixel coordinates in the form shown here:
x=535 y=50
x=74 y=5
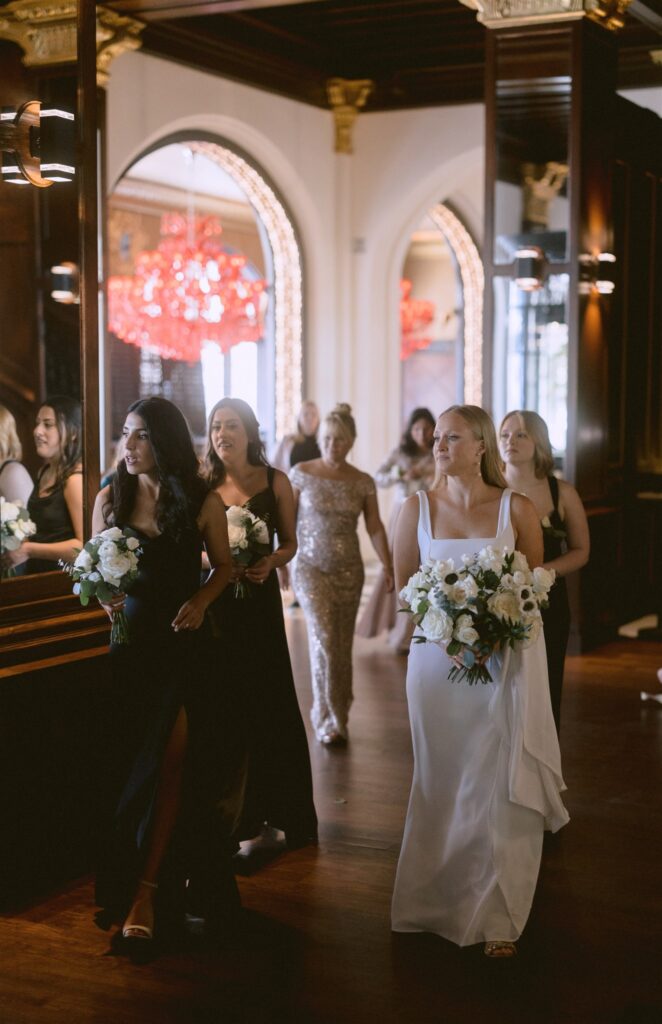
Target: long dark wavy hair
x=407 y=444
x=70 y=431
x=181 y=487
x=215 y=471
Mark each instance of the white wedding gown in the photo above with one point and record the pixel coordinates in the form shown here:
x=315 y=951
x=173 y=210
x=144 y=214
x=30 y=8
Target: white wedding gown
x=487 y=781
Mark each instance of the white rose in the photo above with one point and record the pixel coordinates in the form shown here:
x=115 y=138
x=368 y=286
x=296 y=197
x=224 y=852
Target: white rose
x=414 y=584
x=113 y=563
x=505 y=605
x=456 y=593
x=83 y=561
x=490 y=560
x=542 y=580
x=132 y=543
x=237 y=536
x=113 y=533
x=262 y=532
x=520 y=563
x=464 y=630
x=236 y=514
x=8 y=511
x=437 y=626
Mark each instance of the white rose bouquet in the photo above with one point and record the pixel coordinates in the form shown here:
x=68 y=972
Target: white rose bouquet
x=107 y=566
x=249 y=541
x=15 y=527
x=492 y=601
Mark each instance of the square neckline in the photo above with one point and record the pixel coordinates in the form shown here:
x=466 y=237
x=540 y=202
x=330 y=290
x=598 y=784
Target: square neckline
x=425 y=520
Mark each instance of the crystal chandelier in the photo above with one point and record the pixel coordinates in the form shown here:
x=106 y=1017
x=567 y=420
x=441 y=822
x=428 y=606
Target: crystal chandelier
x=416 y=315
x=186 y=292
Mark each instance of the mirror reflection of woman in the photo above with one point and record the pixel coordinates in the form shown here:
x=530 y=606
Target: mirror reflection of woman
x=487 y=767
x=251 y=636
x=409 y=468
x=56 y=503
x=527 y=454
x=15 y=481
x=328 y=571
x=166 y=827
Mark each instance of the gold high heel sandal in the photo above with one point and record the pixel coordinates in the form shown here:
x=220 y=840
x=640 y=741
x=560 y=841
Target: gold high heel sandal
x=141 y=932
x=500 y=950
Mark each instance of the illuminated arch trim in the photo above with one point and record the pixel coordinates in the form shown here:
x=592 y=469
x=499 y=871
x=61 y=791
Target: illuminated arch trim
x=473 y=285
x=288 y=283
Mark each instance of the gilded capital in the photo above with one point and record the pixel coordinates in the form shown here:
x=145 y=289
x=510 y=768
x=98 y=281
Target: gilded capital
x=516 y=13
x=47 y=33
x=346 y=97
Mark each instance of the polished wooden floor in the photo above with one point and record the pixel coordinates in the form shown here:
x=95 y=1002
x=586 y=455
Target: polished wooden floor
x=316 y=945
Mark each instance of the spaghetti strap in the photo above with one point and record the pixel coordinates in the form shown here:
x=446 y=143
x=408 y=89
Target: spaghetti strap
x=554 y=491
x=504 y=512
x=271 y=472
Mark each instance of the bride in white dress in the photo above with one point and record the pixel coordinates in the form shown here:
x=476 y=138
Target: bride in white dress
x=487 y=767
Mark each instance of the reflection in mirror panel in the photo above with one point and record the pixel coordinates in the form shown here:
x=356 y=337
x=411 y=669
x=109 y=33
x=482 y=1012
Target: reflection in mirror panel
x=531 y=353
x=40 y=351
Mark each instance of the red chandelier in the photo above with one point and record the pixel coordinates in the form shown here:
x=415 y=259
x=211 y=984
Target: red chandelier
x=416 y=315
x=186 y=292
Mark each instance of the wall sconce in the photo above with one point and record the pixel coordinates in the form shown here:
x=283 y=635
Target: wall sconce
x=597 y=273
x=529 y=268
x=40 y=143
x=65 y=283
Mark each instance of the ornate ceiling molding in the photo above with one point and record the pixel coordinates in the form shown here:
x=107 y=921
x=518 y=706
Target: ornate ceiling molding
x=346 y=97
x=47 y=33
x=516 y=13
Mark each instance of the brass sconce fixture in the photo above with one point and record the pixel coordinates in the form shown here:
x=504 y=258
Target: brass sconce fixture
x=529 y=268
x=40 y=144
x=596 y=273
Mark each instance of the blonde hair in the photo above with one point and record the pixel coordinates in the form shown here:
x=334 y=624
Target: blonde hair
x=483 y=430
x=341 y=419
x=10 y=446
x=536 y=428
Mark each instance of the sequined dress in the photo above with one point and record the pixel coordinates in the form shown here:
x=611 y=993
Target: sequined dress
x=381 y=611
x=328 y=577
x=487 y=781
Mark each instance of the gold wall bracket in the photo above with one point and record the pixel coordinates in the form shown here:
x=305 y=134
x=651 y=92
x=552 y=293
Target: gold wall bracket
x=346 y=97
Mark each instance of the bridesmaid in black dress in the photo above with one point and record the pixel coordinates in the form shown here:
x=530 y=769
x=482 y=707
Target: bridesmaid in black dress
x=527 y=454
x=166 y=828
x=251 y=637
x=56 y=503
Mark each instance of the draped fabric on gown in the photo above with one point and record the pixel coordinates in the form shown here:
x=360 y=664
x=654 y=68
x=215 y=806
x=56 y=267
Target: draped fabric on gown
x=487 y=781
x=270 y=738
x=155 y=675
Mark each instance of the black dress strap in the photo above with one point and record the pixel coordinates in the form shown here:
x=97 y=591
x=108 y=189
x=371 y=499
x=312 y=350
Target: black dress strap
x=271 y=472
x=554 y=490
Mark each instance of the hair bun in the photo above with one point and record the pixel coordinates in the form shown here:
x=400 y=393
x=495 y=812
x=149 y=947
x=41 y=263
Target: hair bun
x=344 y=408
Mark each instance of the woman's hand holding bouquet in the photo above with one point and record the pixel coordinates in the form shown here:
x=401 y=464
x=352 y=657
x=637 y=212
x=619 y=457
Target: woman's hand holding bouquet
x=491 y=602
x=105 y=569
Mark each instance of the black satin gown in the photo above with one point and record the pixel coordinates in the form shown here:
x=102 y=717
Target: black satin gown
x=556 y=618
x=250 y=639
x=155 y=675
x=50 y=514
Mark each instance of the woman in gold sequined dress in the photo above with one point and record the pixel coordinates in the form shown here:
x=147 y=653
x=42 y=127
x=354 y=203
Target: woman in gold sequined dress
x=328 y=571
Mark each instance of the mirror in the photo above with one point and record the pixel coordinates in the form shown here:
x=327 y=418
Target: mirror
x=40 y=353
x=530 y=252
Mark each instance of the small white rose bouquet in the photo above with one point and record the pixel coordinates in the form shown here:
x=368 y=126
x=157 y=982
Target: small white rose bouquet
x=15 y=527
x=249 y=541
x=491 y=602
x=107 y=566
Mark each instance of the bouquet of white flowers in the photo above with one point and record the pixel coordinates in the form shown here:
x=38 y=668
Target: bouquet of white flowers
x=15 y=527
x=107 y=565
x=249 y=541
x=493 y=601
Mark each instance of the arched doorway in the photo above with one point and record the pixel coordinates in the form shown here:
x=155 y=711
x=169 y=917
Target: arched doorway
x=199 y=180
x=441 y=314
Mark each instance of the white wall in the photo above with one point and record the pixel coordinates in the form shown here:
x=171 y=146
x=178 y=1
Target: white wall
x=354 y=213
